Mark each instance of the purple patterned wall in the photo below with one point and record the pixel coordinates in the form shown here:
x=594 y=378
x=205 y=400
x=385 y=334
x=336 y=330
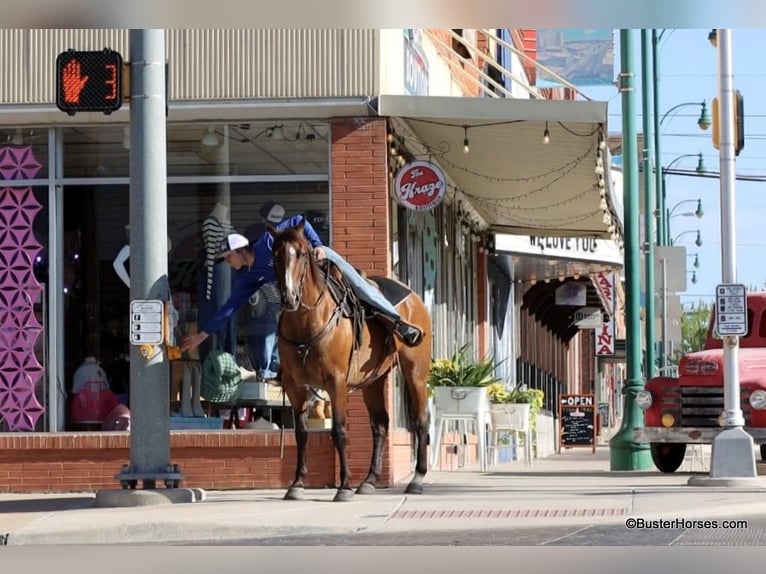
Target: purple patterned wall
x=19 y=289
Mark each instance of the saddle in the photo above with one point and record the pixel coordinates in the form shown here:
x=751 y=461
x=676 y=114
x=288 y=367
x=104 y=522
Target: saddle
x=350 y=306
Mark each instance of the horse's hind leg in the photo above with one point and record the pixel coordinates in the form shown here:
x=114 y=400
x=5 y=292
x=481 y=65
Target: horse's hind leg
x=375 y=400
x=414 y=363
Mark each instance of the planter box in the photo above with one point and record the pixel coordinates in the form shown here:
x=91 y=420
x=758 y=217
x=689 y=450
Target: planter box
x=461 y=400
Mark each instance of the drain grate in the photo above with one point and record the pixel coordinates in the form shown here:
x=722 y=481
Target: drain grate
x=519 y=513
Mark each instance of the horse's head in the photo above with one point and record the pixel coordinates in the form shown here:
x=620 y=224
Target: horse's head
x=293 y=263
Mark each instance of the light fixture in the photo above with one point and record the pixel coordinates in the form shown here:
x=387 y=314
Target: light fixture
x=704 y=120
x=210 y=138
x=713 y=37
x=698 y=212
x=694 y=276
x=466 y=149
x=698 y=241
x=546 y=135
x=696 y=261
x=700 y=165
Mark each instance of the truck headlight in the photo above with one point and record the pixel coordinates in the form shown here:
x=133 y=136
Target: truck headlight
x=644 y=400
x=758 y=399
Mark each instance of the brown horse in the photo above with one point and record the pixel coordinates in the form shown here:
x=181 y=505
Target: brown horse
x=316 y=346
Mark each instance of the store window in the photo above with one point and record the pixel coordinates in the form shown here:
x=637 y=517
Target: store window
x=205 y=149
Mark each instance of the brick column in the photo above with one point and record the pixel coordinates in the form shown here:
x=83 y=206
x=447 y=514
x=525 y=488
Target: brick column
x=360 y=232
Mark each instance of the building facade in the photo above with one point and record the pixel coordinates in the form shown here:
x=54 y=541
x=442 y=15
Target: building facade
x=319 y=121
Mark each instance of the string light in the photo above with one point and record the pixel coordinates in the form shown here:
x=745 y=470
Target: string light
x=546 y=135
x=466 y=149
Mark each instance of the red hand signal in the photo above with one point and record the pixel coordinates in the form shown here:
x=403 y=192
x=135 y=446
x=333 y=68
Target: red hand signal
x=73 y=82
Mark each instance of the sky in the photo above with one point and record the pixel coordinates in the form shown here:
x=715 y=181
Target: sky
x=689 y=73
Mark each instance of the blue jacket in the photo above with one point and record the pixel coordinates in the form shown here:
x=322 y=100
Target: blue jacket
x=248 y=281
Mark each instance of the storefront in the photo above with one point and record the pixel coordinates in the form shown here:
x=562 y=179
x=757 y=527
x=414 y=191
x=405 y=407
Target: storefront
x=324 y=151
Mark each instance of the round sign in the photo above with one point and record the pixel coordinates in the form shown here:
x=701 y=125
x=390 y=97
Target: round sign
x=420 y=186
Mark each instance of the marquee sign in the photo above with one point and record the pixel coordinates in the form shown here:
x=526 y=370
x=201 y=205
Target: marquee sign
x=420 y=186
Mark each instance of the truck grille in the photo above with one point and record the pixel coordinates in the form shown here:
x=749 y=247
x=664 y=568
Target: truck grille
x=701 y=406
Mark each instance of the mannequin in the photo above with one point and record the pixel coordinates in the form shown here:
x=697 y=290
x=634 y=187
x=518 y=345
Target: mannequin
x=216 y=278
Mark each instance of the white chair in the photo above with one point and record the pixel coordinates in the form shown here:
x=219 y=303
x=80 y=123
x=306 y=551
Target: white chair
x=511 y=419
x=463 y=405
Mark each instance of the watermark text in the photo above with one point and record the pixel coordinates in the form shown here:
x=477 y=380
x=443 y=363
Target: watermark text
x=670 y=523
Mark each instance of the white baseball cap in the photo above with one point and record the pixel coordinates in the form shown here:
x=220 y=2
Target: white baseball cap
x=232 y=242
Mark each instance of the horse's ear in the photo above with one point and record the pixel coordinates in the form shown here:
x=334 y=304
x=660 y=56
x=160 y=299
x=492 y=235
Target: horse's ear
x=271 y=229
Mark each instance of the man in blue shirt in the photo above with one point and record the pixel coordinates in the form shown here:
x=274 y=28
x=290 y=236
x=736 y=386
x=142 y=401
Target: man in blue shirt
x=256 y=268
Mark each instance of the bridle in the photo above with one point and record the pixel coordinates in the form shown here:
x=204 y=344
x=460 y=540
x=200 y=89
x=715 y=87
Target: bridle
x=303 y=348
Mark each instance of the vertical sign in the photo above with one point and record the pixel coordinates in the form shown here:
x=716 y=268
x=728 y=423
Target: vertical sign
x=605 y=335
x=415 y=64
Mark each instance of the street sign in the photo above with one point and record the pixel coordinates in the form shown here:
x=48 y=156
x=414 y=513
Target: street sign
x=146 y=318
x=89 y=81
x=731 y=309
x=588 y=318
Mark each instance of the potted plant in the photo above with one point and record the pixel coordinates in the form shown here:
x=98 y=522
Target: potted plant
x=459 y=383
x=530 y=401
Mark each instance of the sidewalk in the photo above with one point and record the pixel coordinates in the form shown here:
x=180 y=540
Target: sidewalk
x=575 y=487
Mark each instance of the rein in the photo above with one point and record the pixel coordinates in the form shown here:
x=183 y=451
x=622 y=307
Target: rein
x=304 y=348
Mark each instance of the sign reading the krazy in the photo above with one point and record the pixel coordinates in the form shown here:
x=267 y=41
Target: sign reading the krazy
x=420 y=186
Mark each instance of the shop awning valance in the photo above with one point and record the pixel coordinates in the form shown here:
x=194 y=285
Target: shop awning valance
x=516 y=182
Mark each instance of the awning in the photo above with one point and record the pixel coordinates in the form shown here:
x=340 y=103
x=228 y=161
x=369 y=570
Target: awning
x=514 y=181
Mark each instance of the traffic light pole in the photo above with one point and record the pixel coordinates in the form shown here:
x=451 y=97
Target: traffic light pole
x=149 y=366
x=732 y=461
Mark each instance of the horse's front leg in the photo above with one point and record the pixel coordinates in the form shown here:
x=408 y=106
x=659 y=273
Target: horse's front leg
x=297 y=396
x=338 y=398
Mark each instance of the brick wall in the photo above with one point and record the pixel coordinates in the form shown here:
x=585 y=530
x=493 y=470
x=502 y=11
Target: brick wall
x=360 y=232
x=83 y=462
x=464 y=75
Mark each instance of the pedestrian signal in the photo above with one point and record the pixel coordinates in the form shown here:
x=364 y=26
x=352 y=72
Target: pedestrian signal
x=89 y=81
x=739 y=123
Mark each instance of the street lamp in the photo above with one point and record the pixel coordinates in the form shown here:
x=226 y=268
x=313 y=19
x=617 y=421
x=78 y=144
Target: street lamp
x=703 y=121
x=697 y=241
x=696 y=263
x=713 y=38
x=698 y=213
x=663 y=219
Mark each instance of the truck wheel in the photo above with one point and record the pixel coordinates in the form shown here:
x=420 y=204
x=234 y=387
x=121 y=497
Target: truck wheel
x=763 y=452
x=668 y=456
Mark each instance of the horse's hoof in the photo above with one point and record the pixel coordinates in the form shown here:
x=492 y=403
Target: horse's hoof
x=343 y=495
x=366 y=488
x=295 y=493
x=414 y=488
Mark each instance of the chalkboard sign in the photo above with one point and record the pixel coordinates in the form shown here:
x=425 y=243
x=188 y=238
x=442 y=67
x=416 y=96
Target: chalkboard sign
x=577 y=421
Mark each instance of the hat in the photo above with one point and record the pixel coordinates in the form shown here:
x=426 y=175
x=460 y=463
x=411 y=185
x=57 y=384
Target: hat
x=273 y=212
x=232 y=242
x=317 y=219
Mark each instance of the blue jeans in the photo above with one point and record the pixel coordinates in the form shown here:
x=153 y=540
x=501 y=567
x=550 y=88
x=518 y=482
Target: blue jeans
x=367 y=293
x=262 y=342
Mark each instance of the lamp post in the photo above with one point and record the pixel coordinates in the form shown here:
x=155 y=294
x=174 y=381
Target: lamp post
x=624 y=452
x=697 y=241
x=698 y=213
x=649 y=200
x=661 y=212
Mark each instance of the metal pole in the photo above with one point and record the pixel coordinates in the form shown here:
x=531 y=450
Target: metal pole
x=149 y=379
x=646 y=84
x=733 y=412
x=664 y=314
x=659 y=183
x=625 y=453
x=732 y=461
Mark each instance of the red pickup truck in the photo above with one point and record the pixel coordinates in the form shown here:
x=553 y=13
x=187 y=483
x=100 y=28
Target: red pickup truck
x=688 y=409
